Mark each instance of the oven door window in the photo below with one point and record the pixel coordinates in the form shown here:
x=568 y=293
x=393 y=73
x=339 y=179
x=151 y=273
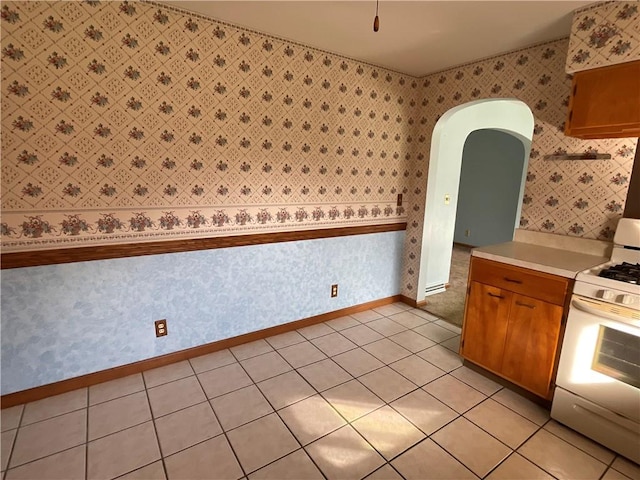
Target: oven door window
x=617 y=355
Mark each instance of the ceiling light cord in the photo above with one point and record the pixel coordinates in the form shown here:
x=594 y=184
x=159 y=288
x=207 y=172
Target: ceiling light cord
x=376 y=21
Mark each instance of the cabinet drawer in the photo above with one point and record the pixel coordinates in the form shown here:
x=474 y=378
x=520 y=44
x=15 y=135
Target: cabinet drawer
x=543 y=286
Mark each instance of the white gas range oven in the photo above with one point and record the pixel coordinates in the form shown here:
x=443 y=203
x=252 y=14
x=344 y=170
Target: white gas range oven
x=598 y=381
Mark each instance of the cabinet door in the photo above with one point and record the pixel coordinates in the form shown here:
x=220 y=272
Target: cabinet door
x=605 y=102
x=531 y=343
x=485 y=325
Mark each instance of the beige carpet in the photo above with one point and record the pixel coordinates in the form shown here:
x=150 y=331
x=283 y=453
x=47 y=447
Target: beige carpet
x=449 y=305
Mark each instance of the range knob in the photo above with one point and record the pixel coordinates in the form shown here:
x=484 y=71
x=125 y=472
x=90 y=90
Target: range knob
x=627 y=299
x=607 y=294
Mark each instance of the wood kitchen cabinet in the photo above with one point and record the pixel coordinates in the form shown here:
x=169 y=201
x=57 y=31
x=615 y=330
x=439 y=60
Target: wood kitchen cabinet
x=605 y=102
x=513 y=323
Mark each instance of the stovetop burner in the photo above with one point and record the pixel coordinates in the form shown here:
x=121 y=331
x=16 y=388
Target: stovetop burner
x=623 y=272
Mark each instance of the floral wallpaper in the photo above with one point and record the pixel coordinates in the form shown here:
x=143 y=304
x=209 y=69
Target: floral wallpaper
x=583 y=198
x=127 y=121
x=604 y=34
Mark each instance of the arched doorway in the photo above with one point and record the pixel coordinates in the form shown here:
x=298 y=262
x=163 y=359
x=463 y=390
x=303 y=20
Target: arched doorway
x=447 y=143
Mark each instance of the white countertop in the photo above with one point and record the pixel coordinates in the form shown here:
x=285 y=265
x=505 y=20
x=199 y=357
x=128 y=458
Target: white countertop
x=556 y=261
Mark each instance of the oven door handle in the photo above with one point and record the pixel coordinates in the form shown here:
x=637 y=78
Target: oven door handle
x=599 y=309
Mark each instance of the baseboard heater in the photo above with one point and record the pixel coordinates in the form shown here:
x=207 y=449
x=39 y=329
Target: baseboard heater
x=432 y=290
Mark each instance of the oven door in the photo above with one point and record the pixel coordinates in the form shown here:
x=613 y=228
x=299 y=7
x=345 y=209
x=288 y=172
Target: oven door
x=600 y=358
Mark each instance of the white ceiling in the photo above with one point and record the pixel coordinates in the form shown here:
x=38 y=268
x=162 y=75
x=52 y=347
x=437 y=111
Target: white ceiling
x=415 y=37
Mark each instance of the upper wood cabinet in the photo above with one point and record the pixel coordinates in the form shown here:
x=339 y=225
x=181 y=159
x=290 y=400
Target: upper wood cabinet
x=605 y=102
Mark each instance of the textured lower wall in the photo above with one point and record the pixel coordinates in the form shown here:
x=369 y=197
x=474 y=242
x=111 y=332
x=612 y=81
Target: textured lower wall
x=61 y=321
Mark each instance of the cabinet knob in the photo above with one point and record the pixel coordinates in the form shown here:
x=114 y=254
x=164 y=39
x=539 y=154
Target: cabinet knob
x=520 y=304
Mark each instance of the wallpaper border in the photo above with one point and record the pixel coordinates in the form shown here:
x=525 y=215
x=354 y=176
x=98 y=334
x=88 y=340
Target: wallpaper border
x=107 y=252
x=38 y=231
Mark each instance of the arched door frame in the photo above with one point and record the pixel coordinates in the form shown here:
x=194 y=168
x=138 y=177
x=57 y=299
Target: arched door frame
x=445 y=162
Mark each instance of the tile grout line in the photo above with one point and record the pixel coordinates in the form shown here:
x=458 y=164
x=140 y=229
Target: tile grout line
x=224 y=432
x=428 y=436
x=254 y=384
x=139 y=423
x=610 y=467
x=446 y=451
x=515 y=411
x=173 y=453
x=281 y=420
x=129 y=426
x=513 y=452
x=53 y=416
x=395 y=470
x=348 y=423
x=155 y=429
x=86 y=443
x=576 y=446
x=116 y=398
x=540 y=428
x=459 y=415
x=296 y=439
x=38 y=458
x=42 y=458
x=517 y=450
x=135 y=470
x=238 y=426
x=462 y=415
x=168 y=381
x=385 y=403
x=13 y=443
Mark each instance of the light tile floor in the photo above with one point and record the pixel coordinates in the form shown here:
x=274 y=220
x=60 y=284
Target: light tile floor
x=380 y=394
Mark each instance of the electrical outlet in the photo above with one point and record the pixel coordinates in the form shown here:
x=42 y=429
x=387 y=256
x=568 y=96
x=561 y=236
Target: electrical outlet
x=467 y=233
x=399 y=202
x=161 y=328
x=334 y=290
